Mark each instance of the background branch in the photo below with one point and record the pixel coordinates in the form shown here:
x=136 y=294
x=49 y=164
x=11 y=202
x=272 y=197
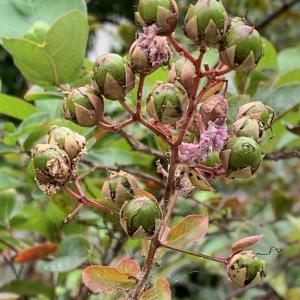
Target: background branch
x=269 y=18
x=283 y=154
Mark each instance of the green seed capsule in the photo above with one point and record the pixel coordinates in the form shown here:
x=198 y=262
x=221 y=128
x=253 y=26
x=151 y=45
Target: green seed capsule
x=141 y=214
x=246 y=269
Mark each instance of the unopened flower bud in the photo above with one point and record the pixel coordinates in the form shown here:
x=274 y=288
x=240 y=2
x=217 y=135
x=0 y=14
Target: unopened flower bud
x=162 y=13
x=140 y=217
x=37 y=33
x=71 y=142
x=119 y=187
x=244 y=157
x=259 y=111
x=215 y=107
x=83 y=107
x=243 y=47
x=52 y=167
x=113 y=76
x=206 y=22
x=167 y=103
x=183 y=71
x=249 y=127
x=245 y=269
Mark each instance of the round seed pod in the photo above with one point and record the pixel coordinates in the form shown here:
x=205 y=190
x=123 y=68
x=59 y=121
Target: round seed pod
x=250 y=128
x=259 y=111
x=113 y=76
x=245 y=269
x=215 y=107
x=183 y=71
x=167 y=103
x=206 y=22
x=244 y=157
x=243 y=47
x=162 y=13
x=119 y=187
x=52 y=167
x=140 y=217
x=71 y=142
x=83 y=107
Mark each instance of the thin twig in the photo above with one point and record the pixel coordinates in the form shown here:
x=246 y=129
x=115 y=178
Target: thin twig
x=283 y=154
x=138 y=146
x=223 y=260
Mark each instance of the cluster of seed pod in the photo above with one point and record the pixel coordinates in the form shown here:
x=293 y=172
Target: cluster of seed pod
x=139 y=210
x=55 y=160
x=208 y=141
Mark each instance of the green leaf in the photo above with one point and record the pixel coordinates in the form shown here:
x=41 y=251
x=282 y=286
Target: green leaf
x=7 y=204
x=289 y=78
x=8 y=181
x=4 y=149
x=38 y=93
x=113 y=156
x=59 y=58
x=28 y=288
x=282 y=99
x=15 y=107
x=17 y=16
x=72 y=252
x=161 y=291
x=191 y=228
x=288 y=59
x=269 y=60
x=107 y=279
x=32 y=219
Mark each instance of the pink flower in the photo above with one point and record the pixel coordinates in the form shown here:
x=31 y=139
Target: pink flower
x=157 y=47
x=211 y=140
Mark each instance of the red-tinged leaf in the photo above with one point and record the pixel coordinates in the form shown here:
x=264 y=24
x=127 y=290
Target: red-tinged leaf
x=107 y=279
x=128 y=265
x=191 y=228
x=161 y=291
x=34 y=253
x=245 y=243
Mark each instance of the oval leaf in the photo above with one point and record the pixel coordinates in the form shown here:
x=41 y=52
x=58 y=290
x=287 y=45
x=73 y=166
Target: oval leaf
x=16 y=108
x=245 y=243
x=107 y=279
x=72 y=252
x=17 y=16
x=191 y=228
x=35 y=252
x=128 y=265
x=56 y=61
x=161 y=291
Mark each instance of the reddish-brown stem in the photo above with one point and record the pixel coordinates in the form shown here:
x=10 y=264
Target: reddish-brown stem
x=216 y=73
x=126 y=107
x=73 y=213
x=192 y=102
x=222 y=260
x=155 y=243
x=84 y=201
x=140 y=95
x=138 y=118
x=181 y=50
x=124 y=124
